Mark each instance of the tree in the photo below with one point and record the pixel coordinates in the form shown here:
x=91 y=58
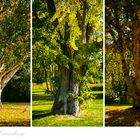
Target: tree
x=122 y=35
x=115 y=84
x=18 y=88
x=73 y=30
x=44 y=68
x=14 y=38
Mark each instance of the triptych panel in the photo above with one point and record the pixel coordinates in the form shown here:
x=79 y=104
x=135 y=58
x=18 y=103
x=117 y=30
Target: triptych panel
x=69 y=63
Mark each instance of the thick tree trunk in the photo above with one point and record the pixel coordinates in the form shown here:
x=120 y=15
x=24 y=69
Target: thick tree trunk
x=6 y=75
x=66 y=97
x=73 y=103
x=134 y=92
x=136 y=48
x=136 y=54
x=60 y=103
x=0 y=98
x=136 y=64
x=136 y=103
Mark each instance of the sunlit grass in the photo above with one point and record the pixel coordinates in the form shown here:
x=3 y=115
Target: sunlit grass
x=95 y=92
x=117 y=107
x=91 y=113
x=38 y=87
x=15 y=114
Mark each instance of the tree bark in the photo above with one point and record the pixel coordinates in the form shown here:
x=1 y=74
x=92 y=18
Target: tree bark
x=66 y=101
x=136 y=58
x=60 y=103
x=7 y=74
x=134 y=92
x=73 y=103
x=65 y=98
x=0 y=98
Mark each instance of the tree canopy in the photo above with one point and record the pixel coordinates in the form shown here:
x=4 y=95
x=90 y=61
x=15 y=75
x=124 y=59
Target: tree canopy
x=122 y=40
x=67 y=37
x=14 y=37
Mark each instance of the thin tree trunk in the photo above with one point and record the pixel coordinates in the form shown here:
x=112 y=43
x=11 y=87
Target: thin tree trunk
x=51 y=77
x=46 y=81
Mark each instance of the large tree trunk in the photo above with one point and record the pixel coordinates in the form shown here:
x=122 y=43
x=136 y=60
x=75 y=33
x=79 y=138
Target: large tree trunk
x=133 y=91
x=7 y=74
x=66 y=97
x=66 y=101
x=0 y=98
x=136 y=61
x=60 y=103
x=73 y=103
x=1 y=89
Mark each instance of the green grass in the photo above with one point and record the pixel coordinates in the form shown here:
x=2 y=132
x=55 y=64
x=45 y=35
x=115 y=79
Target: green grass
x=96 y=85
x=15 y=114
x=38 y=87
x=95 y=92
x=91 y=113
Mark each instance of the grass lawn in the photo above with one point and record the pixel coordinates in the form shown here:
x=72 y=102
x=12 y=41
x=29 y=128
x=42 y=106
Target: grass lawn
x=91 y=113
x=122 y=116
x=15 y=114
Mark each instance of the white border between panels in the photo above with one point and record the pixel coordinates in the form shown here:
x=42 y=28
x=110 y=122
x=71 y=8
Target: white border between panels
x=30 y=63
x=103 y=63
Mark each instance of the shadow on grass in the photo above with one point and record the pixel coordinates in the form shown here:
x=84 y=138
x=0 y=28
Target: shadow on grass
x=39 y=91
x=98 y=96
x=22 y=123
x=37 y=97
x=41 y=114
x=126 y=117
